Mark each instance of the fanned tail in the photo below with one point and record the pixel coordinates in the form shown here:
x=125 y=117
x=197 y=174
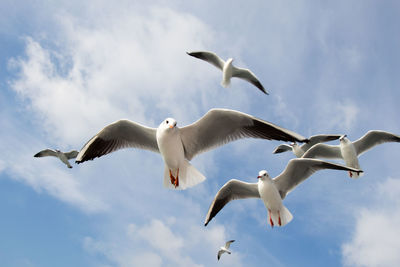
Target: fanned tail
x=188 y=176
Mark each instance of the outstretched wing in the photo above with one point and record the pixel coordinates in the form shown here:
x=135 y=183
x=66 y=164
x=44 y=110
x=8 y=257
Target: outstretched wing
x=118 y=135
x=72 y=154
x=220 y=126
x=320 y=138
x=298 y=170
x=282 y=148
x=46 y=153
x=228 y=244
x=209 y=57
x=249 y=76
x=233 y=189
x=323 y=151
x=373 y=138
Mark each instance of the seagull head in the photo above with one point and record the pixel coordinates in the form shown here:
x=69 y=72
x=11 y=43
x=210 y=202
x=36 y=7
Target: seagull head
x=343 y=138
x=262 y=175
x=229 y=61
x=168 y=123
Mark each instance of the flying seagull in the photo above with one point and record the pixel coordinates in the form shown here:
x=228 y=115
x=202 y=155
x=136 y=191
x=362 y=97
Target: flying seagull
x=179 y=145
x=299 y=150
x=64 y=157
x=228 y=70
x=224 y=249
x=271 y=191
x=349 y=151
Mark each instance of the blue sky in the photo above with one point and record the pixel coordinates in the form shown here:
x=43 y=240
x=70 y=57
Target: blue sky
x=69 y=68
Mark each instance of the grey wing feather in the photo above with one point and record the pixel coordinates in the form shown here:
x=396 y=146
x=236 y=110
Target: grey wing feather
x=282 y=148
x=228 y=244
x=373 y=138
x=209 y=57
x=118 y=135
x=298 y=170
x=219 y=254
x=220 y=126
x=323 y=151
x=321 y=138
x=46 y=153
x=249 y=76
x=233 y=189
x=72 y=154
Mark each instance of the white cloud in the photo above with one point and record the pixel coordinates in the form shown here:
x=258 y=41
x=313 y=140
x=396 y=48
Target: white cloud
x=375 y=239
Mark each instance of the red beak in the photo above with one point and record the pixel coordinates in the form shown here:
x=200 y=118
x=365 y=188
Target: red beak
x=258 y=177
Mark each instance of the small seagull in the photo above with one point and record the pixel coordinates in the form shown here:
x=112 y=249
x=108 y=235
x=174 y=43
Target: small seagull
x=271 y=191
x=64 y=157
x=349 y=151
x=179 y=145
x=222 y=250
x=228 y=70
x=300 y=150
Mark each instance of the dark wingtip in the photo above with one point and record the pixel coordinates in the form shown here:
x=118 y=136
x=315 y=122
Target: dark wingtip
x=36 y=155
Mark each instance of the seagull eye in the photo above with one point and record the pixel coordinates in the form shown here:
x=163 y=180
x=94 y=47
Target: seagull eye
x=167 y=122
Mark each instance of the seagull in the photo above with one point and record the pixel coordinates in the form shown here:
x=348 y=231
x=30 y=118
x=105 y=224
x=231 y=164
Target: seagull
x=64 y=157
x=178 y=146
x=225 y=249
x=349 y=151
x=299 y=150
x=228 y=70
x=271 y=191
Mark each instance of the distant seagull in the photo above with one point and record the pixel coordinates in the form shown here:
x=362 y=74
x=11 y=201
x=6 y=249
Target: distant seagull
x=299 y=150
x=349 y=151
x=64 y=157
x=271 y=191
x=179 y=145
x=225 y=249
x=228 y=70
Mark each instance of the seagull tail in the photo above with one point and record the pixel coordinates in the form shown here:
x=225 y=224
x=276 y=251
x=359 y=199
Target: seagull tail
x=188 y=176
x=285 y=214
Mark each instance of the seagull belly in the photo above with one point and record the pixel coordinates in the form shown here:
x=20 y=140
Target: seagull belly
x=270 y=196
x=349 y=155
x=226 y=74
x=171 y=150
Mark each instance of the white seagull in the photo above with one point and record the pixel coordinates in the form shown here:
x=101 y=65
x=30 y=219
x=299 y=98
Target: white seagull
x=64 y=157
x=271 y=191
x=179 y=145
x=228 y=70
x=224 y=249
x=349 y=151
x=298 y=151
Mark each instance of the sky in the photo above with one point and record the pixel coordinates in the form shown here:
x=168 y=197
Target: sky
x=69 y=68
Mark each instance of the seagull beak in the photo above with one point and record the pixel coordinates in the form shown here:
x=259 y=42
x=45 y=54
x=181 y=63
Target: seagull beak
x=258 y=177
x=171 y=126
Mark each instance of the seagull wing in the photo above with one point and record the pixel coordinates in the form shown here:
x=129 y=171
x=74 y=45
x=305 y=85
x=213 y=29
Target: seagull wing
x=72 y=154
x=118 y=135
x=233 y=189
x=209 y=57
x=46 y=153
x=228 y=244
x=298 y=170
x=249 y=76
x=373 y=138
x=320 y=138
x=220 y=252
x=221 y=126
x=282 y=148
x=323 y=151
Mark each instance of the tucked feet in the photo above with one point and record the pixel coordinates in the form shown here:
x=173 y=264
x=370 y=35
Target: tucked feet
x=279 y=221
x=177 y=179
x=172 y=178
x=350 y=174
x=270 y=219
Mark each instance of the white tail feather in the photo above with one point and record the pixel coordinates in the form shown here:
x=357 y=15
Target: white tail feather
x=226 y=82
x=188 y=176
x=285 y=215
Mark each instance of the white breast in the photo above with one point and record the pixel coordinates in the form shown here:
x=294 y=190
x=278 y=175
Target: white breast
x=270 y=195
x=171 y=148
x=349 y=155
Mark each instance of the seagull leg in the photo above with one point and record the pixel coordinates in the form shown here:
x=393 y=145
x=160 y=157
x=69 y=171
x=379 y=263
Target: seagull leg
x=172 y=177
x=279 y=221
x=350 y=174
x=177 y=179
x=270 y=219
